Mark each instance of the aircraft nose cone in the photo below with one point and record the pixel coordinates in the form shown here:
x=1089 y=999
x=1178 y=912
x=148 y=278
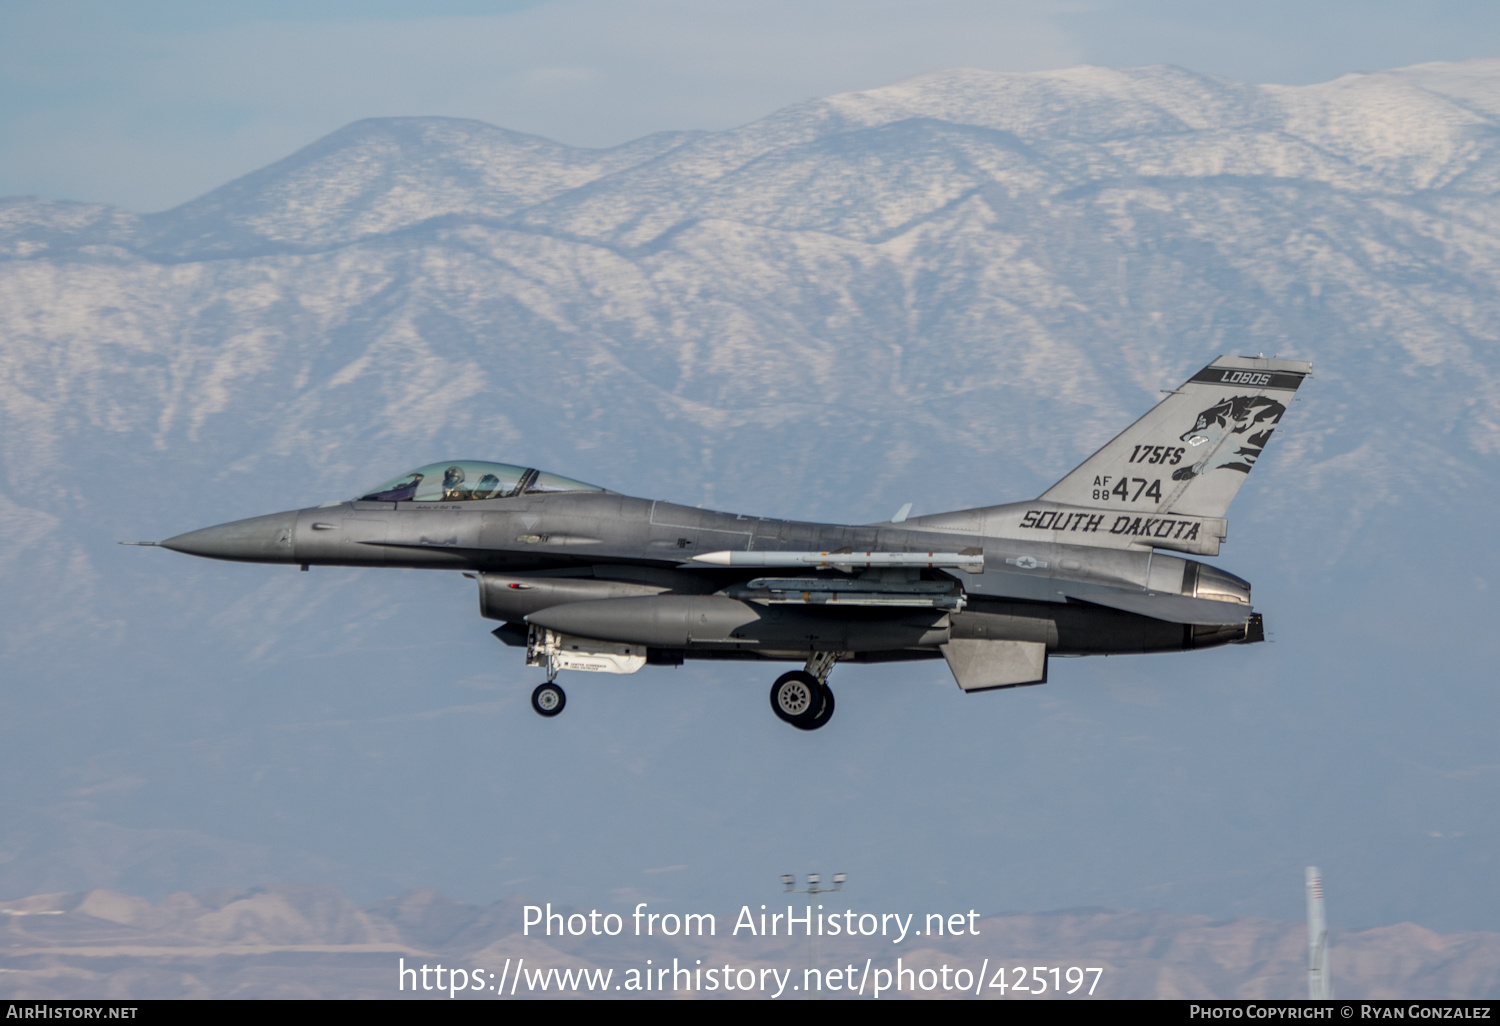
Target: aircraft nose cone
x=265 y=539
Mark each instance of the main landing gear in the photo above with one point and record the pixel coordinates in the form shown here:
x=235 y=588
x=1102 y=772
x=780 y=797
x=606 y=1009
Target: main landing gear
x=803 y=697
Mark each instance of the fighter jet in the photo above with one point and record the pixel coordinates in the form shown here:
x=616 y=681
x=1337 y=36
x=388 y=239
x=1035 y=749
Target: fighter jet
x=588 y=579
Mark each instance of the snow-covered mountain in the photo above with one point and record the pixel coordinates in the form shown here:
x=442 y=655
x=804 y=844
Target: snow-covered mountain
x=946 y=291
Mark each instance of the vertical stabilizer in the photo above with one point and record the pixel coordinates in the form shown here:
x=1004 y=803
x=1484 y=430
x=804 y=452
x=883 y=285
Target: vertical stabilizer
x=1319 y=986
x=1191 y=453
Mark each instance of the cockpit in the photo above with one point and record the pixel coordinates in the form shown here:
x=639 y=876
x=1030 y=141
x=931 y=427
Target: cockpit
x=466 y=480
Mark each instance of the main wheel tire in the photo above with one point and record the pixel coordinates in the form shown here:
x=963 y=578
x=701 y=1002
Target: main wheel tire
x=824 y=714
x=797 y=698
x=548 y=699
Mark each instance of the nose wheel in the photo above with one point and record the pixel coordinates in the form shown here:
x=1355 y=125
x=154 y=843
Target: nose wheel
x=802 y=700
x=548 y=699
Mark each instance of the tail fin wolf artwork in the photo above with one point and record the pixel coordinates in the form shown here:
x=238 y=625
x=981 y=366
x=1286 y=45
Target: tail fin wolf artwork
x=1209 y=433
x=1235 y=416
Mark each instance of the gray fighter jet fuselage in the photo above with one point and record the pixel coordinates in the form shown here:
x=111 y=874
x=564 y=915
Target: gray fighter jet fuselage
x=588 y=579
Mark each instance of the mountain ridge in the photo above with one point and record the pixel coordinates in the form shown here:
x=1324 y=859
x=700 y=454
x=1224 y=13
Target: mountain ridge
x=487 y=162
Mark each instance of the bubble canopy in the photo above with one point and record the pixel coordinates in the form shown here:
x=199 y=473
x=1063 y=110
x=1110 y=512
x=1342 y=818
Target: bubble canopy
x=466 y=480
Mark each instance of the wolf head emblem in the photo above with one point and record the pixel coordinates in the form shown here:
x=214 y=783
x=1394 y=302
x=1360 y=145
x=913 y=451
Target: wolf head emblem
x=1253 y=416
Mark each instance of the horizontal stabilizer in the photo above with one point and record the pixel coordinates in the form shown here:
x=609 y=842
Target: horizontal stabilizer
x=982 y=665
x=998 y=584
x=1172 y=608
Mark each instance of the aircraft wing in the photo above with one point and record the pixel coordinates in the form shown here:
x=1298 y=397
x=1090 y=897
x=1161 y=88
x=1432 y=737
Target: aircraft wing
x=1005 y=584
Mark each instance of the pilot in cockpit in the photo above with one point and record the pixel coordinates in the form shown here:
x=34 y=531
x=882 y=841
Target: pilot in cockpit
x=453 y=481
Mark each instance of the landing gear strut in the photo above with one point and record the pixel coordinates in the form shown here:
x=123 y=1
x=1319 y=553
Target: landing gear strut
x=802 y=697
x=548 y=699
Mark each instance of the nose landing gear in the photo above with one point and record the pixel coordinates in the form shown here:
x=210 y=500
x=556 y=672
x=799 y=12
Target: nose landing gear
x=548 y=699
x=803 y=697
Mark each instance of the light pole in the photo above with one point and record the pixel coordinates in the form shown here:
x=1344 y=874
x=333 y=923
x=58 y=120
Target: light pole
x=813 y=880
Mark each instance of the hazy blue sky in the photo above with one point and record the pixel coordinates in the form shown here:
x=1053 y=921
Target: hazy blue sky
x=149 y=104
